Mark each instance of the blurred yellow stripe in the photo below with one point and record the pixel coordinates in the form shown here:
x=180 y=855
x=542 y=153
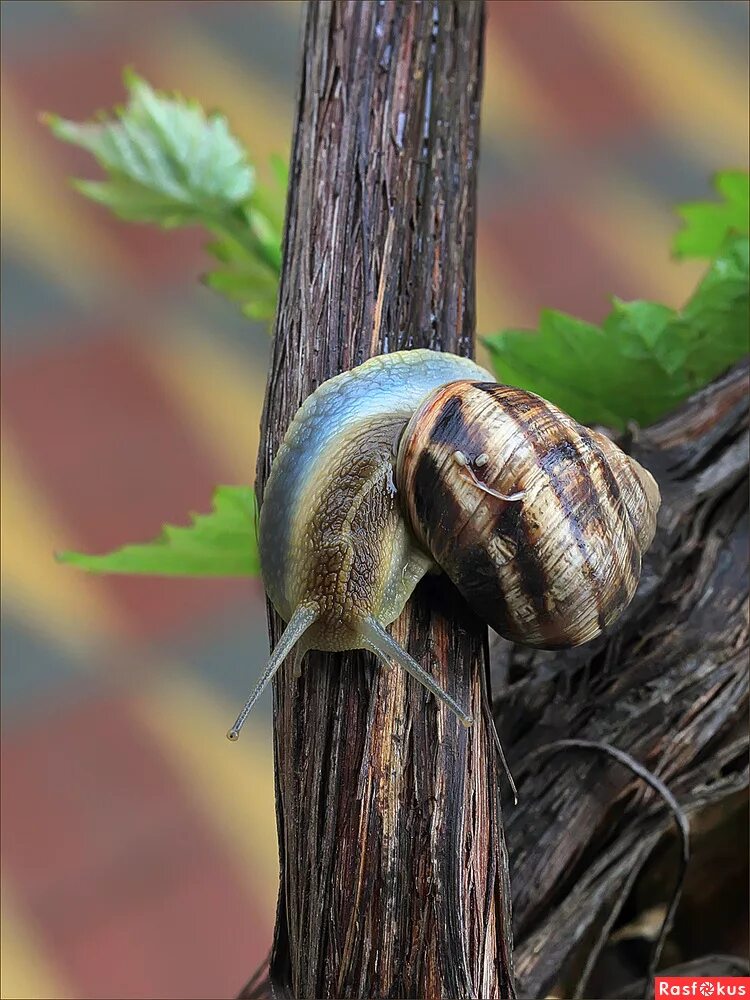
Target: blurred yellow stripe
x=26 y=970
x=498 y=304
x=231 y=783
x=259 y=114
x=694 y=84
x=44 y=220
x=293 y=10
x=636 y=231
x=219 y=394
x=59 y=601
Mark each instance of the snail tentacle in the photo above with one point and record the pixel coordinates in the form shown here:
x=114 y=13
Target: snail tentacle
x=385 y=647
x=299 y=623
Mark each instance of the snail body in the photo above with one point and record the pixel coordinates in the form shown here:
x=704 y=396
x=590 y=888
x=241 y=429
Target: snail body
x=331 y=529
x=419 y=460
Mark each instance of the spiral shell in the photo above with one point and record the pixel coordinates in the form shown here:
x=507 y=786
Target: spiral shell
x=540 y=522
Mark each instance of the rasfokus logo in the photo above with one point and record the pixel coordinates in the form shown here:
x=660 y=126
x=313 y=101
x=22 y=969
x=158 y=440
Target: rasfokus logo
x=701 y=986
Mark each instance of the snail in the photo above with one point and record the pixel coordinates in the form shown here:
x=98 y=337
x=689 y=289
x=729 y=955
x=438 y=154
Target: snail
x=419 y=461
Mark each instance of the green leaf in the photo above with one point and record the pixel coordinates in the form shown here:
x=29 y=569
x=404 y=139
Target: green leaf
x=708 y=223
x=246 y=278
x=644 y=359
x=169 y=163
x=254 y=290
x=222 y=543
x=164 y=157
x=280 y=169
x=716 y=319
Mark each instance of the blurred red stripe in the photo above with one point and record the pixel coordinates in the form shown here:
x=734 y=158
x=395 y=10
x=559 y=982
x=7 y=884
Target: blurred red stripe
x=541 y=247
x=583 y=89
x=82 y=77
x=119 y=873
x=107 y=448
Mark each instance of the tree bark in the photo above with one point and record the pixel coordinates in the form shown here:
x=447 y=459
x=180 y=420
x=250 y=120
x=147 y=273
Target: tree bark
x=394 y=879
x=591 y=848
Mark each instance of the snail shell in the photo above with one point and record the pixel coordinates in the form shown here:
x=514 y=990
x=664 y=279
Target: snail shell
x=556 y=565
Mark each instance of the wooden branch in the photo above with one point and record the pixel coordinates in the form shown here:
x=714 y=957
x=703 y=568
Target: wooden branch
x=670 y=687
x=393 y=868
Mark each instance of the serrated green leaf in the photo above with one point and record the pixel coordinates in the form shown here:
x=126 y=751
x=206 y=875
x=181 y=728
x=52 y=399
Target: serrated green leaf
x=238 y=285
x=222 y=543
x=644 y=359
x=169 y=163
x=708 y=223
x=129 y=201
x=161 y=152
x=256 y=293
x=267 y=231
x=716 y=319
x=268 y=207
x=245 y=279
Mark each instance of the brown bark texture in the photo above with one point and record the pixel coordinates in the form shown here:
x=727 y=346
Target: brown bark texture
x=394 y=875
x=592 y=850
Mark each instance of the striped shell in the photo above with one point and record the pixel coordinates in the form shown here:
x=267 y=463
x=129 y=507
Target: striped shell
x=540 y=522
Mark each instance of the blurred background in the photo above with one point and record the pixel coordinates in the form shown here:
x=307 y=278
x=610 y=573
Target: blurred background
x=138 y=845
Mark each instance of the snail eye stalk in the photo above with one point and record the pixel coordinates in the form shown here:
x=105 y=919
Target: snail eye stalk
x=299 y=623
x=386 y=648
